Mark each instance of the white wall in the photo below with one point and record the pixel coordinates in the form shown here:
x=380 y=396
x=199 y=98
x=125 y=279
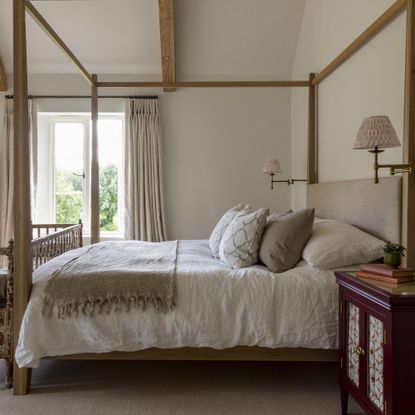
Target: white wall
x=215 y=145
x=215 y=142
x=370 y=83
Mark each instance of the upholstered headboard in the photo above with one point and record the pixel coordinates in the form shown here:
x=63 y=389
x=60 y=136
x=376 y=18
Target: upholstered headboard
x=375 y=208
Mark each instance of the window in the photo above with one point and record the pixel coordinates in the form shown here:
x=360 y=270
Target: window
x=110 y=132
x=69 y=169
x=70 y=196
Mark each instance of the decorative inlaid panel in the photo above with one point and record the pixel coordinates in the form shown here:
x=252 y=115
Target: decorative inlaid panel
x=352 y=343
x=375 y=362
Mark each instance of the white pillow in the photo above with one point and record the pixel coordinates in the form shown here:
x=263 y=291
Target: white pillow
x=336 y=244
x=240 y=243
x=220 y=228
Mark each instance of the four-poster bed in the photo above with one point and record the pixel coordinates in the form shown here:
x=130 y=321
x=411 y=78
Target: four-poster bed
x=23 y=266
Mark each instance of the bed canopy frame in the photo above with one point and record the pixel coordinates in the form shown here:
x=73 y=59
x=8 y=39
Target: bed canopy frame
x=23 y=266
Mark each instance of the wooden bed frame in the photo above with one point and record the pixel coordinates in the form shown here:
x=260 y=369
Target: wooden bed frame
x=48 y=242
x=22 y=248
x=385 y=217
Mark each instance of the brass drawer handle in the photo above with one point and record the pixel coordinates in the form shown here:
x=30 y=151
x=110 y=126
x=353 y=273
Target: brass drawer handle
x=359 y=351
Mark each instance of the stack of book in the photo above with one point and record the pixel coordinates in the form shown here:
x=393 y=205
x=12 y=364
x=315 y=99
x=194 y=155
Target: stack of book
x=384 y=273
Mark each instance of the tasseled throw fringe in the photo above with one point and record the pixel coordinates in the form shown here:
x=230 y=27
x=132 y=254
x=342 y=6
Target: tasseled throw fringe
x=89 y=307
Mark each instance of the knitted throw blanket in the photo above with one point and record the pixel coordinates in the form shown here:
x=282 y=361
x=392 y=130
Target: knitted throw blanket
x=110 y=276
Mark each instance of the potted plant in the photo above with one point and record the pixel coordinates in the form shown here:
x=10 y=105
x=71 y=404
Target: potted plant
x=393 y=254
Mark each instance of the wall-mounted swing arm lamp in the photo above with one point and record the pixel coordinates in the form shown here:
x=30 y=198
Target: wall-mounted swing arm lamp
x=273 y=167
x=377 y=133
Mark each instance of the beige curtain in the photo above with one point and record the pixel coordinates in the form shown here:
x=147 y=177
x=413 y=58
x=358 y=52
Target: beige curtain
x=144 y=215
x=33 y=155
x=6 y=168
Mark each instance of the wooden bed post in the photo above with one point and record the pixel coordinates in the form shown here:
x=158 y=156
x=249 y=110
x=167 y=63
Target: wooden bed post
x=408 y=195
x=312 y=137
x=94 y=164
x=22 y=222
x=3 y=77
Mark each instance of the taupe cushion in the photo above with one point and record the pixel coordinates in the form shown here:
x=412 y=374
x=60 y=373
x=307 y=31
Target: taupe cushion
x=275 y=215
x=284 y=238
x=240 y=242
x=220 y=228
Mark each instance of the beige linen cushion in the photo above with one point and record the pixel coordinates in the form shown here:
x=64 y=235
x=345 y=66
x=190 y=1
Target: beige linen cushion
x=284 y=238
x=220 y=228
x=336 y=244
x=240 y=242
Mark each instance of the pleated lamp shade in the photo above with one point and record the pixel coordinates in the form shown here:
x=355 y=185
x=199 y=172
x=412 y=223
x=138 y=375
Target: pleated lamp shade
x=272 y=166
x=376 y=131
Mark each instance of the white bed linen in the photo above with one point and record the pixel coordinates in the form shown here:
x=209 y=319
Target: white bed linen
x=216 y=307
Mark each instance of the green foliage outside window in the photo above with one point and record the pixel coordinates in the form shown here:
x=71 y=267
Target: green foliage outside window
x=68 y=208
x=69 y=198
x=108 y=197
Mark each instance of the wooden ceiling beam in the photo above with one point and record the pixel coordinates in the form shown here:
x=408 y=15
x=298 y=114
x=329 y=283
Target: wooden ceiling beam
x=3 y=78
x=205 y=84
x=168 y=58
x=47 y=28
x=361 y=40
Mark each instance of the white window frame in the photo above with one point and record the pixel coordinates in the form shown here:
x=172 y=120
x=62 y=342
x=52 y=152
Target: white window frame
x=86 y=208
x=85 y=118
x=120 y=233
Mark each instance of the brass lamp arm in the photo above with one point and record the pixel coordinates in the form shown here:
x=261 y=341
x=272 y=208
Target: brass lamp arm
x=397 y=168
x=394 y=168
x=288 y=181
x=278 y=181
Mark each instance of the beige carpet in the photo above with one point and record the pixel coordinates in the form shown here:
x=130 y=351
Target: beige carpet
x=185 y=388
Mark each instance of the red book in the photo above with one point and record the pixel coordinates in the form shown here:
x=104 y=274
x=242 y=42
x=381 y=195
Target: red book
x=375 y=277
x=386 y=271
x=381 y=283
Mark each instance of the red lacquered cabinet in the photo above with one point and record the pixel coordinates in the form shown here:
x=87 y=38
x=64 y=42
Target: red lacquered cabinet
x=376 y=345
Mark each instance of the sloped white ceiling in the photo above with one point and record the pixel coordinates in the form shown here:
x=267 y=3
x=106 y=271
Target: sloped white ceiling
x=227 y=39
x=231 y=38
x=118 y=36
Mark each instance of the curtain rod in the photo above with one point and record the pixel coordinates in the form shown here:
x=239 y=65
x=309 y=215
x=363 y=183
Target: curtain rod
x=86 y=96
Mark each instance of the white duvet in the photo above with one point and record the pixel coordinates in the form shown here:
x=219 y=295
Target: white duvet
x=216 y=307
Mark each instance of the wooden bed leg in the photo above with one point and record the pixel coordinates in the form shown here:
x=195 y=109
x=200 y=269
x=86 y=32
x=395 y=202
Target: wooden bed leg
x=21 y=381
x=344 y=398
x=9 y=373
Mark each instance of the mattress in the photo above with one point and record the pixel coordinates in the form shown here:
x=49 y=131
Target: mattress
x=216 y=307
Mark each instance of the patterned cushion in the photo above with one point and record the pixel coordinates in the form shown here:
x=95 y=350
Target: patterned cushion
x=220 y=228
x=240 y=242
